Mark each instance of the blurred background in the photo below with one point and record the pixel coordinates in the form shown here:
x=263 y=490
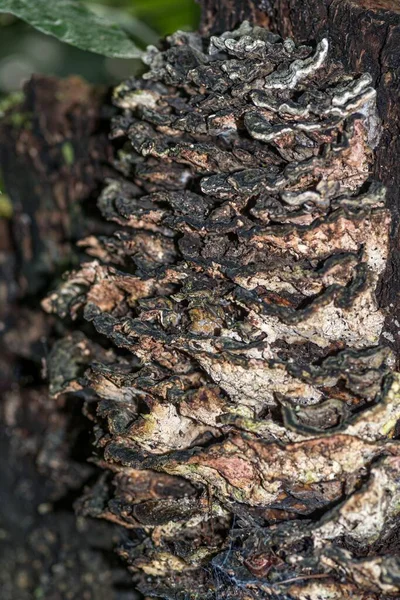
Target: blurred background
x=24 y=51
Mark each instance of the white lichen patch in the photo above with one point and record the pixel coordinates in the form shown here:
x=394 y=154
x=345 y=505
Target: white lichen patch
x=255 y=384
x=370 y=512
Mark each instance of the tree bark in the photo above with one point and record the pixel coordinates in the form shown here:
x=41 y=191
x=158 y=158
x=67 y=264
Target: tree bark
x=54 y=152
x=225 y=15
x=55 y=155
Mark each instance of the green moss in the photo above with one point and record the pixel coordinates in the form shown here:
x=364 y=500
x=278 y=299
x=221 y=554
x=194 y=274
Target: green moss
x=248 y=424
x=20 y=120
x=310 y=477
x=68 y=153
x=389 y=426
x=6 y=208
x=239 y=495
x=10 y=101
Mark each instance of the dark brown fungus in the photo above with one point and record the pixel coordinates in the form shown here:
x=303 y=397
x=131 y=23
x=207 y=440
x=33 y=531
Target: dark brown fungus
x=244 y=409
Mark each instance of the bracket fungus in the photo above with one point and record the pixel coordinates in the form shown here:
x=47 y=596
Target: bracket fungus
x=226 y=336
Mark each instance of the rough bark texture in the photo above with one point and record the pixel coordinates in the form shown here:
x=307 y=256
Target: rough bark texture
x=208 y=510
x=364 y=36
x=224 y=15
x=54 y=153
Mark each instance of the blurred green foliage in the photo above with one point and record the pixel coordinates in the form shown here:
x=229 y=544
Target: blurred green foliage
x=24 y=51
x=73 y=22
x=163 y=16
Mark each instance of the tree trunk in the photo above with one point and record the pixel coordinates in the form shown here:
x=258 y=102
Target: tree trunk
x=225 y=15
x=54 y=154
x=225 y=342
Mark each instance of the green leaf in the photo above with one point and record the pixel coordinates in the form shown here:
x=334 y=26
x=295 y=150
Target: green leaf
x=73 y=23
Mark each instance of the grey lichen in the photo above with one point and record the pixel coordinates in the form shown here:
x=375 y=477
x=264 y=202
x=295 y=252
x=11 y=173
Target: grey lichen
x=244 y=409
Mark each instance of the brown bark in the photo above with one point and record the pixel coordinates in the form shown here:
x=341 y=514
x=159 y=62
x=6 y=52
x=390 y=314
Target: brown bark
x=223 y=15
x=54 y=152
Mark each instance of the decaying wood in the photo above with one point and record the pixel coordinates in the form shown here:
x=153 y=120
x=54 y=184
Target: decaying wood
x=364 y=36
x=54 y=153
x=245 y=413
x=225 y=15
x=225 y=333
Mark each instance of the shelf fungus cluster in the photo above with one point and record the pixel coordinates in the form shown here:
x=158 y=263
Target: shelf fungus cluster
x=227 y=337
